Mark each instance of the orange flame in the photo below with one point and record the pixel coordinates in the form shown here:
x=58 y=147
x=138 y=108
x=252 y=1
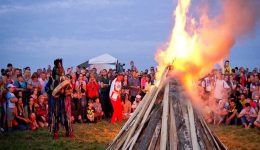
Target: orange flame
x=182 y=51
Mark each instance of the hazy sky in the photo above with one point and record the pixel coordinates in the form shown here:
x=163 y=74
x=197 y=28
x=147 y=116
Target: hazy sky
x=34 y=33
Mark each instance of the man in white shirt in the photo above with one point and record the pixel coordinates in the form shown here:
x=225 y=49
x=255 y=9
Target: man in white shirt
x=221 y=88
x=43 y=81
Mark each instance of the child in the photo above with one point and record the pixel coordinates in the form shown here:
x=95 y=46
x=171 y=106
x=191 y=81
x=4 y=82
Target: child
x=98 y=110
x=126 y=104
x=90 y=112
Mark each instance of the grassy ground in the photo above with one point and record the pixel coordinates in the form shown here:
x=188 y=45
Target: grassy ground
x=98 y=136
x=87 y=136
x=238 y=138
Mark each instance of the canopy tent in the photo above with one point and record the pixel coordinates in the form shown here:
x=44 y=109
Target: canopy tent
x=104 y=61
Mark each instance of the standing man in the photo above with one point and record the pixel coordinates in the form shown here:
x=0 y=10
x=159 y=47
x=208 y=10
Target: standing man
x=104 y=96
x=134 y=84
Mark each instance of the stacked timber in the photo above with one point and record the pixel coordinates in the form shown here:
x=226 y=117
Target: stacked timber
x=165 y=119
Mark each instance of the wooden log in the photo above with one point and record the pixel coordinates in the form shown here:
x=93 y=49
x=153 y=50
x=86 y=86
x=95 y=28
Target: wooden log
x=155 y=137
x=164 y=131
x=173 y=139
x=145 y=140
x=193 y=133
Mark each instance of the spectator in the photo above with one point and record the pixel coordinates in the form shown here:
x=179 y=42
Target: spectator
x=98 y=110
x=136 y=102
x=43 y=81
x=92 y=88
x=248 y=116
x=19 y=116
x=134 y=84
x=148 y=84
x=127 y=109
x=104 y=94
x=81 y=88
x=41 y=113
x=231 y=118
x=11 y=100
x=257 y=121
x=125 y=85
x=227 y=68
x=90 y=112
x=221 y=88
x=34 y=83
x=31 y=107
x=27 y=74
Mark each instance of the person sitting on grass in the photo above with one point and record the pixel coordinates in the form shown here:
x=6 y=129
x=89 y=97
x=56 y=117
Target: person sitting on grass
x=126 y=106
x=231 y=117
x=98 y=110
x=33 y=125
x=90 y=112
x=257 y=121
x=248 y=116
x=41 y=112
x=19 y=116
x=138 y=99
x=222 y=111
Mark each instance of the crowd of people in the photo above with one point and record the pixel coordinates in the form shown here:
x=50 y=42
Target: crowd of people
x=53 y=96
x=231 y=96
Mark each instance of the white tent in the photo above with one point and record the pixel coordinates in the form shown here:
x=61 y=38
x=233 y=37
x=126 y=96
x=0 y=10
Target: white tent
x=104 y=61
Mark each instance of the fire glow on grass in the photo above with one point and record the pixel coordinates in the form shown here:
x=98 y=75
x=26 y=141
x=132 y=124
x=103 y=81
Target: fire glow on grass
x=195 y=47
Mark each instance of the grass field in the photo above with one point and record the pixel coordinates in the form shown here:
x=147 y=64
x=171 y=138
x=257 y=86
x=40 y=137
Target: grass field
x=98 y=136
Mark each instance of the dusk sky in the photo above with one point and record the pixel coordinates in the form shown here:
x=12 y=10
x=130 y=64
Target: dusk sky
x=34 y=33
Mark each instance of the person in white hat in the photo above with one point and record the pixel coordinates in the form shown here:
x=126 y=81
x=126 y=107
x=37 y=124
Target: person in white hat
x=138 y=99
x=11 y=100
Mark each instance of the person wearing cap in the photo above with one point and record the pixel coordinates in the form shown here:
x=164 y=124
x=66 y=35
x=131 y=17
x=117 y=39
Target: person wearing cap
x=138 y=99
x=11 y=100
x=115 y=98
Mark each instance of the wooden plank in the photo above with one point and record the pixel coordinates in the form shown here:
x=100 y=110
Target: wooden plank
x=173 y=139
x=164 y=132
x=193 y=133
x=155 y=137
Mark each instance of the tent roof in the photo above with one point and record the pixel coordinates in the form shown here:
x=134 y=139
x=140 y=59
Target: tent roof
x=103 y=59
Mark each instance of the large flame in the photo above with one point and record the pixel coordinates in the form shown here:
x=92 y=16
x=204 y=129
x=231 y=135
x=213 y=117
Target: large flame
x=182 y=51
x=195 y=47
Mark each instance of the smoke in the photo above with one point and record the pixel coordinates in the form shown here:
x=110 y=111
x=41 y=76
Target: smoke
x=218 y=34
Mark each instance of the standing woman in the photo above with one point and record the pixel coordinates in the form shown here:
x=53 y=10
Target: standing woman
x=115 y=97
x=125 y=85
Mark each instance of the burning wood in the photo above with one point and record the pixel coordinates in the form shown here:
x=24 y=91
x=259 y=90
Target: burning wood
x=167 y=123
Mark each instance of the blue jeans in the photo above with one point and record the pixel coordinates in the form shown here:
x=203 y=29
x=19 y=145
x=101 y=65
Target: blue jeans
x=245 y=121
